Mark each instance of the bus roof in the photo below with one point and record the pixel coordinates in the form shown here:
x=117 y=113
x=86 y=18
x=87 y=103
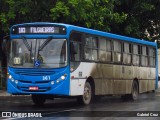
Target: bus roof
x=94 y=32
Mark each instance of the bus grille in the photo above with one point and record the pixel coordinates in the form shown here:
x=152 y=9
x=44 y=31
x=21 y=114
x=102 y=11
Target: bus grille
x=34 y=72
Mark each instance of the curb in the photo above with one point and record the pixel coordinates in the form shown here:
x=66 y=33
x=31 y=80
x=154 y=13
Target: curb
x=4 y=93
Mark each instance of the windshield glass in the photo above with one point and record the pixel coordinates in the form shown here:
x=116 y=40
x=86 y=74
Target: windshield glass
x=41 y=53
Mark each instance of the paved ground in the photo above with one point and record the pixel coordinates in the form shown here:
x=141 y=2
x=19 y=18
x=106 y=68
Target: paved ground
x=62 y=109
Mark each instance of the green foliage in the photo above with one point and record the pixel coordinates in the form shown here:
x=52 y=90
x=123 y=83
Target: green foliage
x=20 y=11
x=126 y=17
x=61 y=10
x=96 y=14
x=142 y=16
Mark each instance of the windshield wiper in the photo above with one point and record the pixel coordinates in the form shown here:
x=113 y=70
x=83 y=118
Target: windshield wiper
x=26 y=44
x=45 y=43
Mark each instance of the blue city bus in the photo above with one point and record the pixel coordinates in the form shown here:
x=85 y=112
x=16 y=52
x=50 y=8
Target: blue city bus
x=49 y=60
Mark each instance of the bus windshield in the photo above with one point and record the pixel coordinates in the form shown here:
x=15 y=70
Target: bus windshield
x=41 y=53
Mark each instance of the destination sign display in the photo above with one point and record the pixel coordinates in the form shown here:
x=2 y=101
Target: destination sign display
x=39 y=30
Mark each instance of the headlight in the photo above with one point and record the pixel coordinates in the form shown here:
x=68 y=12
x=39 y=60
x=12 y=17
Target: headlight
x=63 y=77
x=52 y=82
x=12 y=79
x=16 y=81
x=10 y=76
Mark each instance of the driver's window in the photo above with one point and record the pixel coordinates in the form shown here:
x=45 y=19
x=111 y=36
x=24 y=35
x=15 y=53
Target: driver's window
x=75 y=46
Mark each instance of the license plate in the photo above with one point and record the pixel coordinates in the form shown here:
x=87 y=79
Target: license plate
x=33 y=88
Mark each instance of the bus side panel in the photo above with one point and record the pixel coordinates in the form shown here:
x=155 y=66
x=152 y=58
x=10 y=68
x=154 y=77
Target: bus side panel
x=146 y=77
x=97 y=75
x=151 y=78
x=128 y=73
x=119 y=84
x=112 y=79
x=123 y=77
x=143 y=81
x=77 y=87
x=81 y=74
x=79 y=77
x=107 y=79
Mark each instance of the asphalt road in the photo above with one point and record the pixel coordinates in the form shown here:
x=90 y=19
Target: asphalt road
x=147 y=107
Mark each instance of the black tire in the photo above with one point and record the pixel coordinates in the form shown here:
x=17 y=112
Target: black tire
x=134 y=91
x=87 y=97
x=38 y=100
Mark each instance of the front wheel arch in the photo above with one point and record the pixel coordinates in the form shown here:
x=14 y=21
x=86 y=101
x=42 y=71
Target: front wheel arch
x=89 y=85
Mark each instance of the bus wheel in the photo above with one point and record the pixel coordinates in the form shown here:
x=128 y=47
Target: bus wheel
x=87 y=96
x=38 y=100
x=134 y=91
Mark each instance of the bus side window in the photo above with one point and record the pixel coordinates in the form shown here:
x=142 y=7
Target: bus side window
x=127 y=53
x=109 y=50
x=117 y=51
x=136 y=55
x=91 y=48
x=152 y=57
x=144 y=58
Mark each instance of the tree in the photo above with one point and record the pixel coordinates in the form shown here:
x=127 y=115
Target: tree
x=133 y=18
x=143 y=20
x=20 y=11
x=96 y=14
